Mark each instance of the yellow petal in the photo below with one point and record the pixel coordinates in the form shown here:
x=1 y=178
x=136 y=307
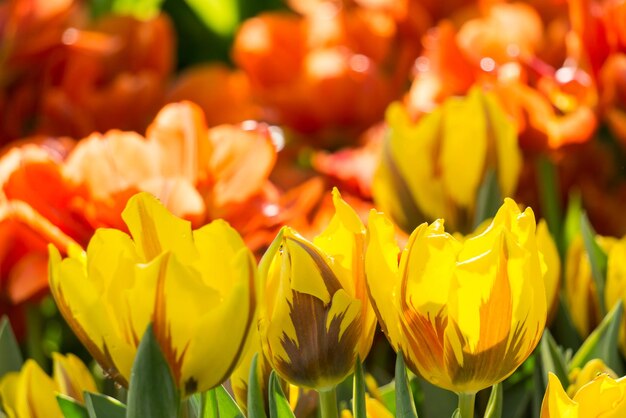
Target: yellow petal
x=383 y=280
x=550 y=259
x=464 y=147
x=71 y=376
x=556 y=403
x=36 y=393
x=155 y=230
x=602 y=397
x=8 y=393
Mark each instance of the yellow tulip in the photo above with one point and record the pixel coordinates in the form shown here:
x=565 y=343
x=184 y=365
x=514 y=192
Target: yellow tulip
x=465 y=314
x=315 y=316
x=580 y=289
x=374 y=409
x=435 y=166
x=615 y=288
x=581 y=376
x=196 y=287
x=30 y=393
x=552 y=262
x=602 y=397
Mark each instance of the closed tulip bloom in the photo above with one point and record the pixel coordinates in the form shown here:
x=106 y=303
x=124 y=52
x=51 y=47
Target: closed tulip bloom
x=582 y=298
x=315 y=317
x=603 y=397
x=615 y=288
x=435 y=166
x=196 y=287
x=465 y=314
x=30 y=393
x=579 y=377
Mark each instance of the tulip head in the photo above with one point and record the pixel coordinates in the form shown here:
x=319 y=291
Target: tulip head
x=30 y=393
x=581 y=295
x=435 y=166
x=603 y=397
x=315 y=317
x=615 y=288
x=196 y=287
x=465 y=314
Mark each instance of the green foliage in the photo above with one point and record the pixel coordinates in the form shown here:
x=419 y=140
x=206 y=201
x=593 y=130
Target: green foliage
x=278 y=403
x=10 y=356
x=152 y=392
x=102 y=406
x=597 y=259
x=552 y=359
x=219 y=404
x=358 y=393
x=494 y=405
x=256 y=408
x=71 y=408
x=603 y=343
x=489 y=198
x=405 y=406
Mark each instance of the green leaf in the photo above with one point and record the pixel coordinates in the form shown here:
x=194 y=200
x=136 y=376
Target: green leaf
x=279 y=405
x=603 y=342
x=192 y=406
x=552 y=359
x=71 y=408
x=597 y=259
x=139 y=9
x=456 y=413
x=219 y=404
x=221 y=16
x=571 y=225
x=494 y=405
x=102 y=406
x=152 y=391
x=405 y=407
x=549 y=195
x=256 y=407
x=358 y=392
x=489 y=198
x=388 y=396
x=10 y=356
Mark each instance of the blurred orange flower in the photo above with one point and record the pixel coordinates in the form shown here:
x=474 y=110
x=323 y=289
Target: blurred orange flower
x=62 y=75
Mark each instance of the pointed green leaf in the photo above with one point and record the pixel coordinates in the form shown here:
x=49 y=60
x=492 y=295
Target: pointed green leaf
x=221 y=16
x=571 y=225
x=597 y=259
x=71 y=408
x=152 y=391
x=102 y=406
x=279 y=405
x=552 y=359
x=489 y=198
x=210 y=408
x=220 y=404
x=358 y=391
x=10 y=355
x=256 y=405
x=494 y=405
x=405 y=406
x=549 y=195
x=387 y=395
x=192 y=406
x=456 y=413
x=603 y=342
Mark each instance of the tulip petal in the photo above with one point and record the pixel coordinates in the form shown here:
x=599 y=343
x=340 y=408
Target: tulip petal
x=155 y=230
x=71 y=376
x=381 y=264
x=602 y=397
x=556 y=403
x=463 y=119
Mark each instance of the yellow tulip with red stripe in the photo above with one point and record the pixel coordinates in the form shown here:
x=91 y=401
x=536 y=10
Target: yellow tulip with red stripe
x=465 y=314
x=196 y=287
x=315 y=317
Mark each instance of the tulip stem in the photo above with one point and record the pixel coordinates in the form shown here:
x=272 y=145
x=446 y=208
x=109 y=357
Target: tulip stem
x=466 y=404
x=328 y=403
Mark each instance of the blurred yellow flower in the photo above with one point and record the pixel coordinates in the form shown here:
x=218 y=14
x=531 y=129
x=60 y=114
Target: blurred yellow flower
x=30 y=393
x=434 y=167
x=549 y=254
x=373 y=407
x=592 y=369
x=466 y=314
x=615 y=288
x=315 y=316
x=197 y=287
x=580 y=289
x=602 y=397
